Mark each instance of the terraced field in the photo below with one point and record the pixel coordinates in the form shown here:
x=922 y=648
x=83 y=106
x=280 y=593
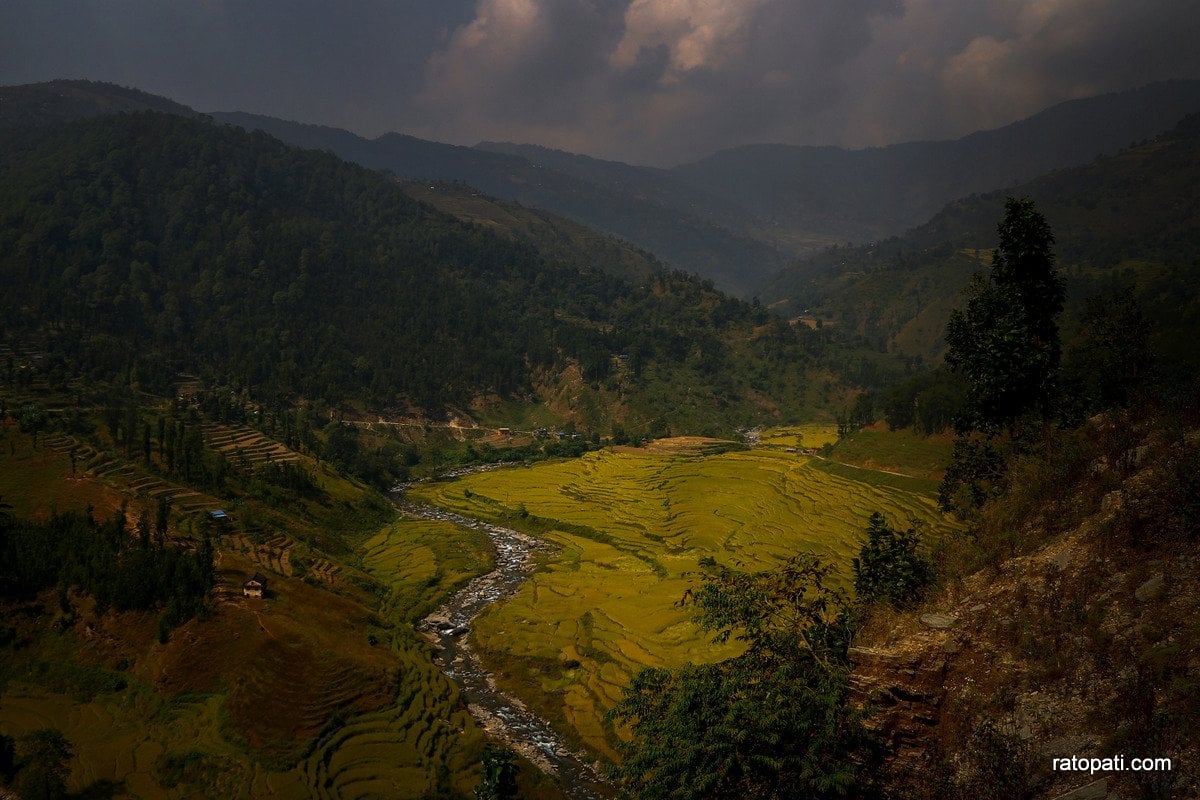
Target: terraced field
x=242 y=445
x=132 y=737
x=399 y=750
x=320 y=690
x=632 y=528
x=128 y=477
x=812 y=436
x=897 y=451
x=422 y=562
x=268 y=674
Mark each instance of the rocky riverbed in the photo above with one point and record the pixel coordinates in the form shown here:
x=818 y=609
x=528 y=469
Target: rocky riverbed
x=448 y=629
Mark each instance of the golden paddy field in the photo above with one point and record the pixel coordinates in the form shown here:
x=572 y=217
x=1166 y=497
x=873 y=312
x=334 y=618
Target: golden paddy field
x=813 y=436
x=632 y=528
x=287 y=698
x=262 y=699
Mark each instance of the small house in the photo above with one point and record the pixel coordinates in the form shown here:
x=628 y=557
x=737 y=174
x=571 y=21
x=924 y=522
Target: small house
x=256 y=586
x=218 y=516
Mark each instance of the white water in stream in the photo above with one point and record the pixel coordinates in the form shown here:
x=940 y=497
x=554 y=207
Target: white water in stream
x=503 y=716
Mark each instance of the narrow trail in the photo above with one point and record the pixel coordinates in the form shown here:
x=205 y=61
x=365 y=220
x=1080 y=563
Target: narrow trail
x=503 y=716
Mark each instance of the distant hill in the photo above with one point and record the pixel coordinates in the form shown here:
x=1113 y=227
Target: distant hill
x=557 y=238
x=1132 y=218
x=658 y=186
x=66 y=100
x=736 y=217
x=681 y=237
x=863 y=195
x=143 y=244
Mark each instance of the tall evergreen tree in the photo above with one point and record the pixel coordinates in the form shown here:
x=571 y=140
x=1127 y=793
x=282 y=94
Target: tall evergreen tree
x=1006 y=344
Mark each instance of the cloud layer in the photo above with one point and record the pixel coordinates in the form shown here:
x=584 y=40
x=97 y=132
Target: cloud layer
x=667 y=80
x=650 y=81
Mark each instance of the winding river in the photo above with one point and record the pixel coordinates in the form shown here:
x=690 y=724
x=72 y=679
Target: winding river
x=503 y=716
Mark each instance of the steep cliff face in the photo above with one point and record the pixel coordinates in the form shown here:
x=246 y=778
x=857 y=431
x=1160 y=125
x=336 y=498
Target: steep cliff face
x=1087 y=644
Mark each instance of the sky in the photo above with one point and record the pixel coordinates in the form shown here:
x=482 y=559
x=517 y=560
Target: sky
x=655 y=82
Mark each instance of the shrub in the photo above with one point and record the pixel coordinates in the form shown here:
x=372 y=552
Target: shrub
x=889 y=568
x=975 y=474
x=773 y=722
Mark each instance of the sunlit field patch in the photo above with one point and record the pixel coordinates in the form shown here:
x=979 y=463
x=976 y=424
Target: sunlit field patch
x=810 y=436
x=635 y=531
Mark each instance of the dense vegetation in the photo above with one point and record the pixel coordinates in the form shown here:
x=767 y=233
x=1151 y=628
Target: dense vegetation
x=773 y=722
x=120 y=570
x=144 y=243
x=680 y=224
x=1006 y=343
x=1126 y=222
x=890 y=567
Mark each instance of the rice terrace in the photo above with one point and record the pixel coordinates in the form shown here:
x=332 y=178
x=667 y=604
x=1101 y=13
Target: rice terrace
x=732 y=456
x=636 y=528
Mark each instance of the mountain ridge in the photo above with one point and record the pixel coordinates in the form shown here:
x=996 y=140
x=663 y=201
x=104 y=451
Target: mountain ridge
x=735 y=216
x=733 y=261
x=883 y=191
x=1130 y=218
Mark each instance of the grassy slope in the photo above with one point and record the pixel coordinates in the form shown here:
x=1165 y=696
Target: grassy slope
x=813 y=435
x=902 y=451
x=555 y=237
x=285 y=697
x=631 y=527
x=36 y=480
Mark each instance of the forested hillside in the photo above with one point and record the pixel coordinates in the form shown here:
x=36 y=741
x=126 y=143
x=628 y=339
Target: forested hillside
x=733 y=217
x=683 y=236
x=862 y=195
x=62 y=101
x=143 y=244
x=1127 y=220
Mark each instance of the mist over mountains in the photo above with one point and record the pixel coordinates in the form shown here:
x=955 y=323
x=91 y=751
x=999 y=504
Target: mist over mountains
x=737 y=216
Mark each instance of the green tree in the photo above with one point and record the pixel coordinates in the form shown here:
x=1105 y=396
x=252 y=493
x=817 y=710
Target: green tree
x=1006 y=344
x=45 y=765
x=975 y=474
x=889 y=568
x=1112 y=359
x=499 y=774
x=33 y=420
x=162 y=516
x=773 y=722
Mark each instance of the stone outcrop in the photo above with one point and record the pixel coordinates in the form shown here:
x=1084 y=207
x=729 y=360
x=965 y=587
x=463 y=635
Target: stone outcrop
x=904 y=689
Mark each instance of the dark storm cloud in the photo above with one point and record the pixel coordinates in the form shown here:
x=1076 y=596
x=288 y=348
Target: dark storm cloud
x=688 y=76
x=523 y=62
x=655 y=79
x=948 y=68
x=351 y=64
x=644 y=80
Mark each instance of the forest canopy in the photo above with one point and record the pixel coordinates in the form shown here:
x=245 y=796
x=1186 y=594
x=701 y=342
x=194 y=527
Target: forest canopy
x=231 y=254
